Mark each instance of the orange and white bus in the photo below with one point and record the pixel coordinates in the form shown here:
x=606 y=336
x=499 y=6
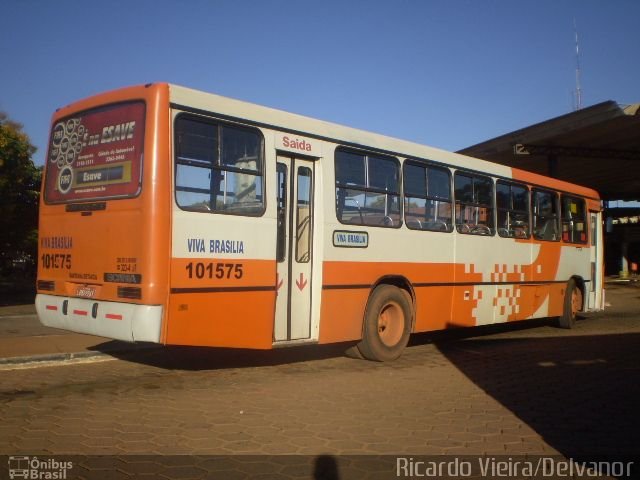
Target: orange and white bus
x=175 y=216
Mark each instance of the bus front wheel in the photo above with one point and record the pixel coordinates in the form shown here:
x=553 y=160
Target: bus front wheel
x=387 y=324
x=572 y=305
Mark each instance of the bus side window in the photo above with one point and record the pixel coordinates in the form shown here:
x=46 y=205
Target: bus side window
x=219 y=167
x=367 y=189
x=574 y=220
x=474 y=203
x=545 y=215
x=427 y=197
x=512 y=204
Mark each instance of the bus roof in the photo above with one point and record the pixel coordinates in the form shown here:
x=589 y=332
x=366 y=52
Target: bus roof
x=310 y=127
x=250 y=113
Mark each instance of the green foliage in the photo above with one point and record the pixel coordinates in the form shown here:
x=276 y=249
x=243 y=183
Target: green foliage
x=19 y=195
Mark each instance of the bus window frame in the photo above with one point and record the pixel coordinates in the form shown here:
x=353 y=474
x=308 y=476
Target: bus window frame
x=585 y=216
x=492 y=207
x=366 y=189
x=219 y=167
x=510 y=210
x=534 y=215
x=451 y=201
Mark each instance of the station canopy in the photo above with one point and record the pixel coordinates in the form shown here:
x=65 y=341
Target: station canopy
x=597 y=146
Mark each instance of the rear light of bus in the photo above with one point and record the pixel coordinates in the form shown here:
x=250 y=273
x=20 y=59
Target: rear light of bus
x=48 y=285
x=134 y=293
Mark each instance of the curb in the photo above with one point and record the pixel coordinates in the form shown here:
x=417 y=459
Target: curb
x=65 y=357
x=46 y=358
x=17 y=315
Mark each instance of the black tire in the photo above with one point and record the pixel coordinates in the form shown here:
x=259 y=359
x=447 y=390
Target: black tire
x=572 y=305
x=387 y=324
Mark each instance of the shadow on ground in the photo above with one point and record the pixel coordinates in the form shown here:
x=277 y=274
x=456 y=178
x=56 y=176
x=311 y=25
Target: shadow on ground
x=580 y=393
x=215 y=358
x=212 y=358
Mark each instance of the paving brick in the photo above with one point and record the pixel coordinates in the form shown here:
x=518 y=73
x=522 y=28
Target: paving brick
x=482 y=394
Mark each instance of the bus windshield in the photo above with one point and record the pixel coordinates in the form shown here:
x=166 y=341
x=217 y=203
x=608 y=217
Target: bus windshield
x=96 y=154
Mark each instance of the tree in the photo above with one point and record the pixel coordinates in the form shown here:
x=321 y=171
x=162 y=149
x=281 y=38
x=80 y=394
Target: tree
x=19 y=195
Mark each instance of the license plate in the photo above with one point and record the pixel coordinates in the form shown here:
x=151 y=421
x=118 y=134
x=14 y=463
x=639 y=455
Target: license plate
x=86 y=291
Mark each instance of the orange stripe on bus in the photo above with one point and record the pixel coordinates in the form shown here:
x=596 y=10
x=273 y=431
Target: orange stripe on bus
x=552 y=183
x=453 y=295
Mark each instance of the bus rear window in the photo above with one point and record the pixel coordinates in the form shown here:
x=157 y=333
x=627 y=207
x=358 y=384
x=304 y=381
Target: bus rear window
x=96 y=154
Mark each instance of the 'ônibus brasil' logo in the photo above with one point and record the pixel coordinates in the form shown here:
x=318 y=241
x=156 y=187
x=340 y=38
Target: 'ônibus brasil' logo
x=33 y=467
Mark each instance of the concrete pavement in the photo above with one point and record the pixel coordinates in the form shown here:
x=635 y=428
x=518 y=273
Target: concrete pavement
x=514 y=391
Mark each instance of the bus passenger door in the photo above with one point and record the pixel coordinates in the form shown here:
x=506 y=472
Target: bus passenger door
x=595 y=287
x=294 y=253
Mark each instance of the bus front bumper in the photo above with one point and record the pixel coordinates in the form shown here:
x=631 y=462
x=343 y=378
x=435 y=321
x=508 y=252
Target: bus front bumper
x=120 y=321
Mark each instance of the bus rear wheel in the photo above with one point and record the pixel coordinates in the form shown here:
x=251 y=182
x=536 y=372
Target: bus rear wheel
x=572 y=305
x=387 y=324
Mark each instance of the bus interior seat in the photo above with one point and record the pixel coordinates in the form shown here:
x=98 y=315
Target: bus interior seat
x=548 y=231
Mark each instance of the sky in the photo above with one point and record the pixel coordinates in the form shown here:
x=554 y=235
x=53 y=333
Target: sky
x=446 y=73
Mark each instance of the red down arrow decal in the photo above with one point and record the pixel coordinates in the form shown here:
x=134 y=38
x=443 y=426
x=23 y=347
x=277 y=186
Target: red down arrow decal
x=301 y=283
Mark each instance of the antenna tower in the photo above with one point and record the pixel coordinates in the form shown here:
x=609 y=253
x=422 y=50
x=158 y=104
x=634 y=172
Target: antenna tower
x=578 y=92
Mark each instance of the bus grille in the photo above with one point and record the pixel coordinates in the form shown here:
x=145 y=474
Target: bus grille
x=130 y=292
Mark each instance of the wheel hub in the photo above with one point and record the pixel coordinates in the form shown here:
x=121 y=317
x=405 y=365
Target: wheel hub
x=390 y=324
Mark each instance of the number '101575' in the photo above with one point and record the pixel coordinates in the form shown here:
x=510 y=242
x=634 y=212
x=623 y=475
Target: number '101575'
x=56 y=260
x=215 y=270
